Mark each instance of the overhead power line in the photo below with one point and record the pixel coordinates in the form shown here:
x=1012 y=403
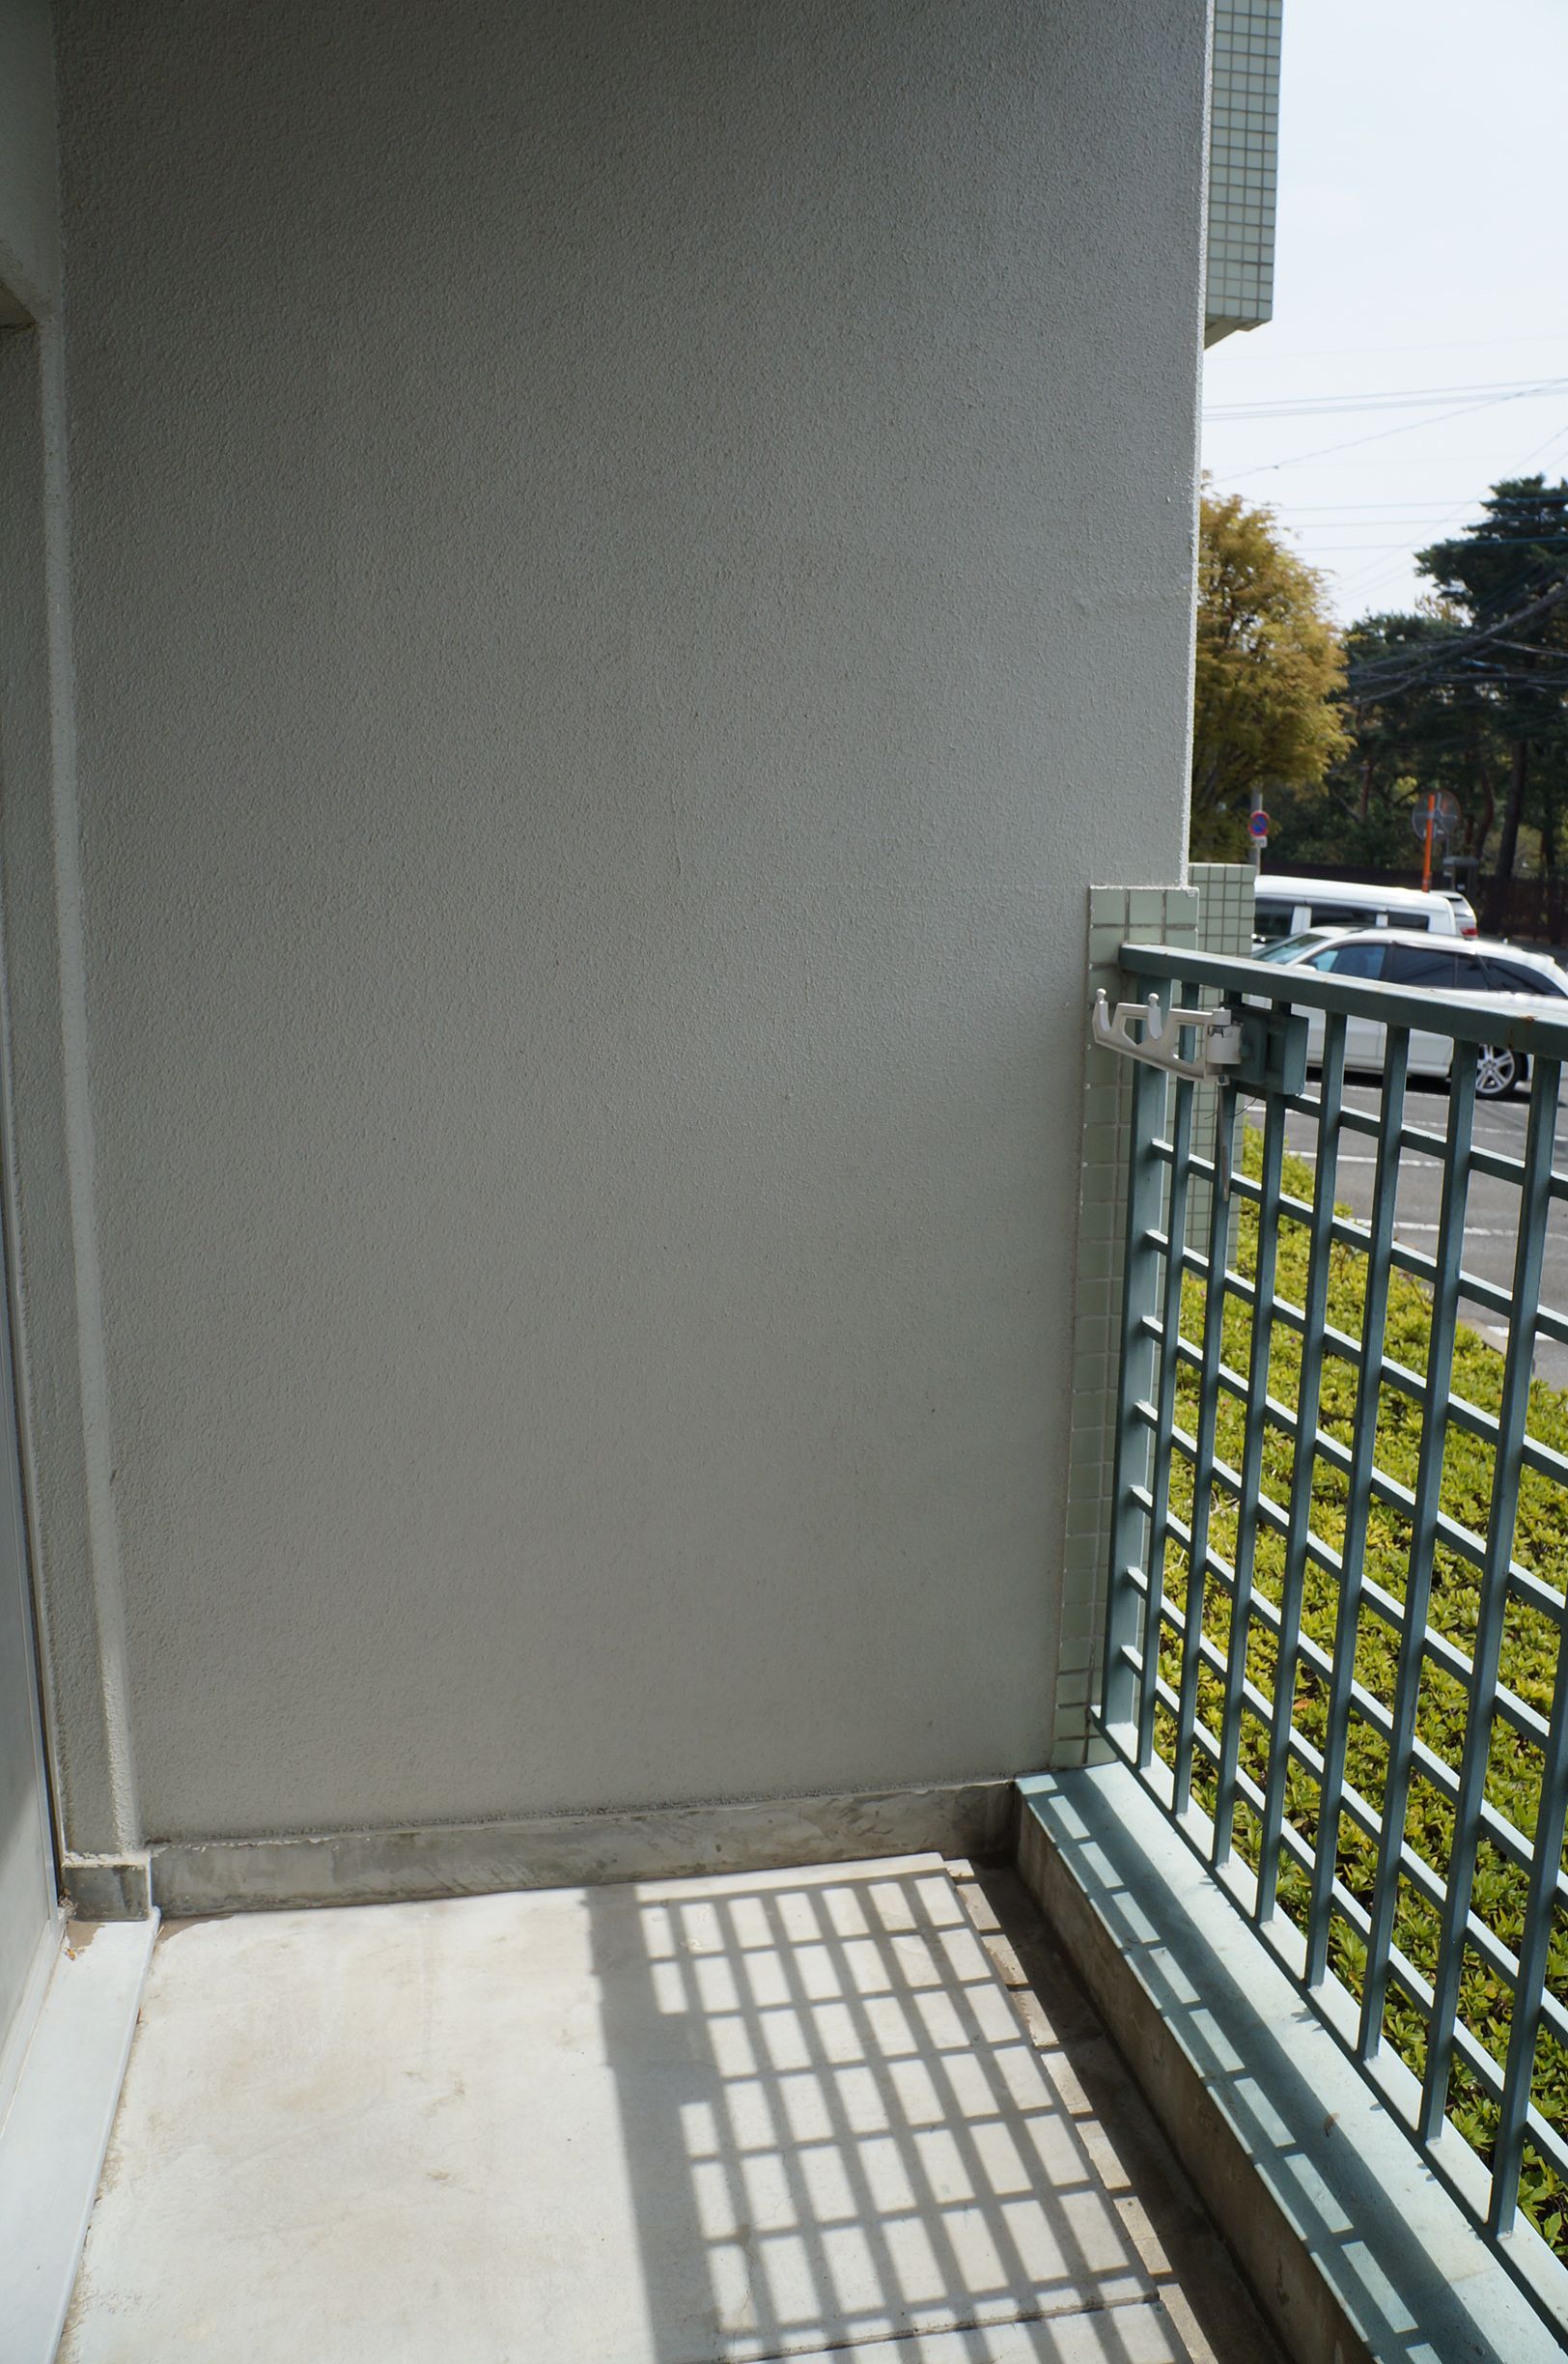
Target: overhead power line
x=1376 y=682
x=1322 y=451
x=1393 y=397
x=1357 y=353
x=1487 y=541
x=1418 y=510
x=1364 y=581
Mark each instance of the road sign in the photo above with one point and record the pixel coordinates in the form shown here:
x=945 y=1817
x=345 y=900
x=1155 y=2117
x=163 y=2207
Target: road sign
x=1257 y=826
x=1438 y=810
x=1434 y=819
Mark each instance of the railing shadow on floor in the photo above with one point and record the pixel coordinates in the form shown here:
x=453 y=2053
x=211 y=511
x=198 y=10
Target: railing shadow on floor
x=836 y=2129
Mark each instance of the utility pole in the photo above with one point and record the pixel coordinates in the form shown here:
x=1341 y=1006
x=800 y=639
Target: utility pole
x=1426 y=843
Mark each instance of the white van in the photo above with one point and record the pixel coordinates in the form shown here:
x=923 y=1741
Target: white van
x=1291 y=905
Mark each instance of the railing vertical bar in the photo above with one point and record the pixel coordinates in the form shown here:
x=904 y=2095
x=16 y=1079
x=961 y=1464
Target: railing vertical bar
x=1534 y=1202
x=1254 y=1432
x=1440 y=1362
x=1140 y=1290
x=1525 y=2023
x=1214 y=1326
x=1320 y=1230
x=1181 y=1138
x=1358 y=1509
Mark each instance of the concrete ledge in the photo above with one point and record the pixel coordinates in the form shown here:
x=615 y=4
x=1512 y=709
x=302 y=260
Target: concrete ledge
x=1351 y=2246
x=217 y=1876
x=106 y=1887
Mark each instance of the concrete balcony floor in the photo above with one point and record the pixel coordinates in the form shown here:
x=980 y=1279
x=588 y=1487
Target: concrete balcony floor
x=854 y=2112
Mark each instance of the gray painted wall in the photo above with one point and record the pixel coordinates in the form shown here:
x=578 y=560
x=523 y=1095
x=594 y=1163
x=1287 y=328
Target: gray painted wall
x=631 y=564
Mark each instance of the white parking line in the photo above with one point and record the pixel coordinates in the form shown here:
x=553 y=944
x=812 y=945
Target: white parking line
x=1471 y=1230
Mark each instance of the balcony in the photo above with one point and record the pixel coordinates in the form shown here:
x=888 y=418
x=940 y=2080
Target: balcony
x=798 y=2114
x=1162 y=2076
x=586 y=589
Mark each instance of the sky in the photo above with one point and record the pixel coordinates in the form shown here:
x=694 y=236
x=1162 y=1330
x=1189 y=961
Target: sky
x=1422 y=259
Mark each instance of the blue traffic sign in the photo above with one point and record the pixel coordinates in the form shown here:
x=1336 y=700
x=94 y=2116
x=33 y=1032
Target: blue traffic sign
x=1257 y=825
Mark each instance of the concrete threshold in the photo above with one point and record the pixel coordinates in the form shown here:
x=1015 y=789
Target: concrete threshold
x=817 y=2112
x=56 y=2130
x=1357 y=2252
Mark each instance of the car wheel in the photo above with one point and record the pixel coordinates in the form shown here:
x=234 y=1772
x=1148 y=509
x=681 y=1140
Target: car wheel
x=1498 y=1072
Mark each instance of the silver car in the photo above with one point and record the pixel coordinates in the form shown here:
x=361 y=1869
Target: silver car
x=1449 y=965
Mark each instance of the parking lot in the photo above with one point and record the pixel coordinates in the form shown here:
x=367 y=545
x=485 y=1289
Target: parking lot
x=1493 y=1211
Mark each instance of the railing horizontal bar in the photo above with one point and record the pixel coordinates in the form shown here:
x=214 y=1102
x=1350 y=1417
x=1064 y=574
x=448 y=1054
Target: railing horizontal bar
x=1209 y=1398
x=1349 y=1233
x=1481 y=2065
x=1455 y=1537
x=1253 y=1392
x=1283 y=1941
x=1462 y=1018
x=1414 y=1867
x=1490 y=1634
x=1495 y=1163
x=1421 y=1875
x=1134 y=1454
x=1459 y=1410
x=1320 y=1809
x=1487 y=2070
x=1165 y=1379
x=1415 y=1261
x=1546 y=2138
x=1446 y=1655
x=1432 y=1768
x=1443 y=1653
x=1365 y=1817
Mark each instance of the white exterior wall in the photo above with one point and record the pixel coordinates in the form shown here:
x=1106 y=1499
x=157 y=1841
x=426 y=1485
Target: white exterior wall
x=632 y=563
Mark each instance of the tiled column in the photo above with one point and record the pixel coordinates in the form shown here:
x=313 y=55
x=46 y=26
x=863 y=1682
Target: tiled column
x=1213 y=913
x=1117 y=916
x=1225 y=896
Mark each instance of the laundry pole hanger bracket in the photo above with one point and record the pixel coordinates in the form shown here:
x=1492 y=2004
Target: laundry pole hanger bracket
x=1217 y=1049
x=1258 y=1050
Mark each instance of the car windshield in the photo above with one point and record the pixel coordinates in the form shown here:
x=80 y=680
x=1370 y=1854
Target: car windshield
x=1290 y=947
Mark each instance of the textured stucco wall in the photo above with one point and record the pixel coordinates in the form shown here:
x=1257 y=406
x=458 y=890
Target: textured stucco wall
x=631 y=564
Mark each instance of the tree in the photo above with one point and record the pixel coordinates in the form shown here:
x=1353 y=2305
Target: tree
x=1508 y=576
x=1419 y=722
x=1467 y=693
x=1269 y=668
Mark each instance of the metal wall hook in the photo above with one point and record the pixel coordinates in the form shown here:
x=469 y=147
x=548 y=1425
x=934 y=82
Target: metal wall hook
x=1219 y=1051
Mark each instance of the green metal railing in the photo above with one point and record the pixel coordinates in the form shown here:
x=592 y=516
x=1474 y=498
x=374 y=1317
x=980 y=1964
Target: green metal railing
x=1336 y=1638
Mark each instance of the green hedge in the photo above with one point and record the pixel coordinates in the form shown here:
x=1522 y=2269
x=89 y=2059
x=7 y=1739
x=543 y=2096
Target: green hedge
x=1528 y=1657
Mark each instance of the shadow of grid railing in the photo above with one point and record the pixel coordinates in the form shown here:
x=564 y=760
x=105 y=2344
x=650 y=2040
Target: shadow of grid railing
x=837 y=2131
x=1334 y=1644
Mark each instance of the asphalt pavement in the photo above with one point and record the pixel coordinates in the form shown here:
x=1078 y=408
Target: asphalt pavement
x=1493 y=1212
